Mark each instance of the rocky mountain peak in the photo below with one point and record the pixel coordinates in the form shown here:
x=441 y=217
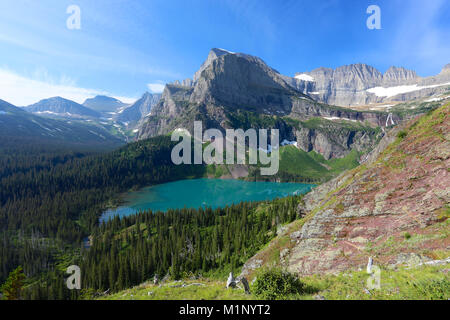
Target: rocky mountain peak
x=138 y=110
x=103 y=103
x=214 y=53
x=399 y=76
x=60 y=106
x=446 y=69
x=241 y=80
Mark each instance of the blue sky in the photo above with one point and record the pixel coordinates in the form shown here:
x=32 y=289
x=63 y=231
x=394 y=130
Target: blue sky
x=127 y=47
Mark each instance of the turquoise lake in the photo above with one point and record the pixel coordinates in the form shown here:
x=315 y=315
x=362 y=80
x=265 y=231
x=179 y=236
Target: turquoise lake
x=214 y=193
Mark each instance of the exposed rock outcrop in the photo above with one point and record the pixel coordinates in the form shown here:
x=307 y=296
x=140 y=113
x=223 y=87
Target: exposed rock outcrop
x=140 y=109
x=335 y=143
x=403 y=190
x=394 y=207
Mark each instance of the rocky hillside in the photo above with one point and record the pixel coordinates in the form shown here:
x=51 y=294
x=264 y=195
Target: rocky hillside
x=394 y=208
x=361 y=84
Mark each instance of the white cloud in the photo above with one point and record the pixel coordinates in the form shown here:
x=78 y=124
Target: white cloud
x=156 y=87
x=22 y=91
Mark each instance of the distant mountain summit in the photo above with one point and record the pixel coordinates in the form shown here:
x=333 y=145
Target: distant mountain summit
x=361 y=84
x=395 y=76
x=104 y=104
x=20 y=126
x=61 y=107
x=140 y=109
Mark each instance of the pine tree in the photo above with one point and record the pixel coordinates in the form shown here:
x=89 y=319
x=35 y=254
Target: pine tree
x=12 y=288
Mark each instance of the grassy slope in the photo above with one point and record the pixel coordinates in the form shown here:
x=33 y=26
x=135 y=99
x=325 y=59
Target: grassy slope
x=297 y=165
x=294 y=160
x=425 y=282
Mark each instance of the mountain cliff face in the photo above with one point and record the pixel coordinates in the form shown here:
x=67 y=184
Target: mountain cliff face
x=360 y=84
x=399 y=76
x=394 y=207
x=139 y=109
x=61 y=107
x=229 y=85
x=334 y=139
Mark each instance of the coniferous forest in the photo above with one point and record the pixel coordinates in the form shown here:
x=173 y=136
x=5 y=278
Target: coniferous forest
x=51 y=199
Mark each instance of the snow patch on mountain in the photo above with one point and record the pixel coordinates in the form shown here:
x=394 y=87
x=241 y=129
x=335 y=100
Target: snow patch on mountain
x=337 y=118
x=393 y=91
x=304 y=77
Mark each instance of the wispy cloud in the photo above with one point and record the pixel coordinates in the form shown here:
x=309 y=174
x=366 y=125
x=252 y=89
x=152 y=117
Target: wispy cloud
x=156 y=87
x=22 y=91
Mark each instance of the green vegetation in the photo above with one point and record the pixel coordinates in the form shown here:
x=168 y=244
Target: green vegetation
x=245 y=120
x=402 y=134
x=419 y=283
x=425 y=282
x=297 y=165
x=341 y=125
x=409 y=109
x=200 y=289
x=274 y=284
x=130 y=250
x=12 y=288
x=50 y=202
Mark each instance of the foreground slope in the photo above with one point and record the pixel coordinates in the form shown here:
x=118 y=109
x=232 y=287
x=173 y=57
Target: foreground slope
x=421 y=283
x=393 y=208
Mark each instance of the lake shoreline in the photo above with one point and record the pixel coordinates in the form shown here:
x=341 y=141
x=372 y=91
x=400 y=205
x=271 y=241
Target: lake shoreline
x=200 y=193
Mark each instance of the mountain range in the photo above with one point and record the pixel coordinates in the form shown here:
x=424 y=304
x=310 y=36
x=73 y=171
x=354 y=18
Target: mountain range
x=230 y=86
x=361 y=84
x=230 y=82
x=58 y=106
x=22 y=126
x=235 y=90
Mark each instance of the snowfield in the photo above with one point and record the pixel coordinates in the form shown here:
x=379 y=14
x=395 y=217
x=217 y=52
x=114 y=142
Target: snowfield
x=393 y=91
x=304 y=77
x=337 y=118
